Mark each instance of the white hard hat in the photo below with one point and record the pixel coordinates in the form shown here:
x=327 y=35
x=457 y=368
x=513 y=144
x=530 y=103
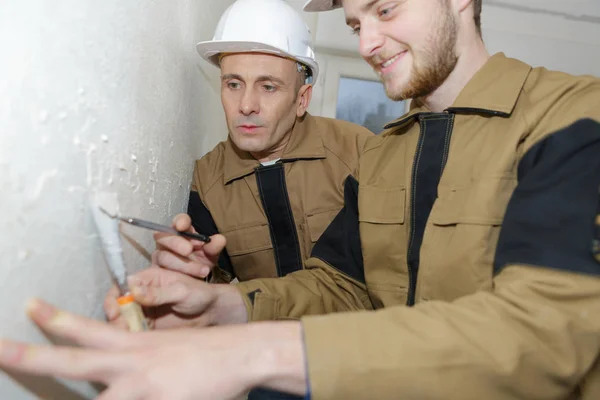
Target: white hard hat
x=322 y=5
x=262 y=26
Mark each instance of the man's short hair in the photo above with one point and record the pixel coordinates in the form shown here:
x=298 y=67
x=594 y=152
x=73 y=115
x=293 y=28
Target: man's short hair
x=305 y=71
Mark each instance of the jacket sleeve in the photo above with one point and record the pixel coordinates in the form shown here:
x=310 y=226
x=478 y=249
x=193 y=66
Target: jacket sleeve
x=536 y=335
x=332 y=281
x=203 y=222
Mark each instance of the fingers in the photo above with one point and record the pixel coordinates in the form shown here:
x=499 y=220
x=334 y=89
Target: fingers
x=197 y=263
x=112 y=311
x=183 y=223
x=120 y=323
x=111 y=306
x=194 y=266
x=168 y=320
x=151 y=276
x=81 y=330
x=72 y=363
x=155 y=287
x=156 y=276
x=177 y=244
x=215 y=246
x=184 y=246
x=127 y=388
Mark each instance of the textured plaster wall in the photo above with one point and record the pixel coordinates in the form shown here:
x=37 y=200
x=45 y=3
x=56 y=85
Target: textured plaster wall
x=94 y=95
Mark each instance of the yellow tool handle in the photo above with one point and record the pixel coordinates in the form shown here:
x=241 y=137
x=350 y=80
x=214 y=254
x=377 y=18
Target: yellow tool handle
x=133 y=314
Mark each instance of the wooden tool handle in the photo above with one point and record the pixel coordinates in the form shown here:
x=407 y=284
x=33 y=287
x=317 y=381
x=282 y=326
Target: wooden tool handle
x=133 y=314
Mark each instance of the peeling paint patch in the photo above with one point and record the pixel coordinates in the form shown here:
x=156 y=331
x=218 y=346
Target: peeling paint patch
x=88 y=160
x=41 y=182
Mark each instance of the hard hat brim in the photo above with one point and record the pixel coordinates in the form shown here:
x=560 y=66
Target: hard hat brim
x=321 y=5
x=210 y=51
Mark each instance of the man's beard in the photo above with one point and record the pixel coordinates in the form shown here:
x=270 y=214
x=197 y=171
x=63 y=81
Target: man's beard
x=432 y=65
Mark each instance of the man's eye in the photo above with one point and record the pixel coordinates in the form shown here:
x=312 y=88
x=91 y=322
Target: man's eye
x=355 y=30
x=233 y=85
x=269 y=88
x=386 y=11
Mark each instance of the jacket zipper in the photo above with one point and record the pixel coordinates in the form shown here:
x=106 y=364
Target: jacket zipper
x=412 y=273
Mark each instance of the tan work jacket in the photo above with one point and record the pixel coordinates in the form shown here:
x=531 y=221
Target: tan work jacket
x=272 y=215
x=482 y=217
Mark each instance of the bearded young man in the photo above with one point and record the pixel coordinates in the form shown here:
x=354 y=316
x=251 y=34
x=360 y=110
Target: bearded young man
x=472 y=230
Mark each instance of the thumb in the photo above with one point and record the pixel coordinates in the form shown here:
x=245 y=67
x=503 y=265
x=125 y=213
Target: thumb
x=183 y=223
x=153 y=296
x=216 y=245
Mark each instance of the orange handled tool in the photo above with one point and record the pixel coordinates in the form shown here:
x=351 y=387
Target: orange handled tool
x=133 y=314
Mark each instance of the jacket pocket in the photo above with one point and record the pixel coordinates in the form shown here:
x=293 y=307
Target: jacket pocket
x=383 y=240
x=381 y=205
x=247 y=240
x=482 y=203
x=462 y=237
x=251 y=252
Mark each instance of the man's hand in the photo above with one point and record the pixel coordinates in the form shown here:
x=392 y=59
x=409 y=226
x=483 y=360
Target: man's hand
x=192 y=257
x=217 y=363
x=176 y=300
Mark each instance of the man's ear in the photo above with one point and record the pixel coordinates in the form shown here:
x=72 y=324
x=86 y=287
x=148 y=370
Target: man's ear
x=303 y=99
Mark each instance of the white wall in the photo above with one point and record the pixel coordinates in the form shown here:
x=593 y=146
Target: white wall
x=558 y=35
x=106 y=95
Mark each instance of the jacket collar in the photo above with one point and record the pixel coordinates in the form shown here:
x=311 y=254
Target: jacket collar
x=493 y=90
x=306 y=142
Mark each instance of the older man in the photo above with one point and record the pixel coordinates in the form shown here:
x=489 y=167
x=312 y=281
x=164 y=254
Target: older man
x=277 y=181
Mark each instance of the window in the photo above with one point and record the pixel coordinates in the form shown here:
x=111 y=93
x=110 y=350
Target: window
x=348 y=89
x=365 y=103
